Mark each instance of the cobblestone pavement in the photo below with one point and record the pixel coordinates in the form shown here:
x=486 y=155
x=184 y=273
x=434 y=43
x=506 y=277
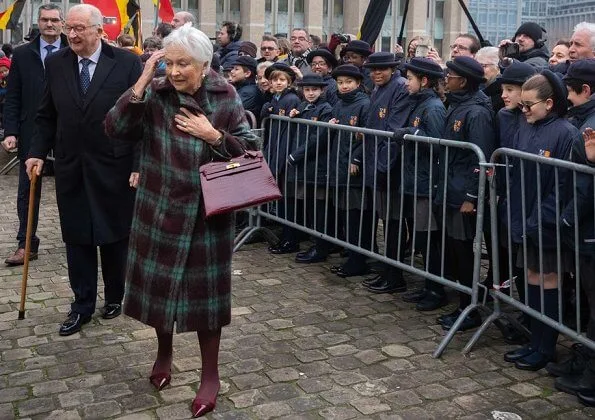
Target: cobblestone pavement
x=303 y=344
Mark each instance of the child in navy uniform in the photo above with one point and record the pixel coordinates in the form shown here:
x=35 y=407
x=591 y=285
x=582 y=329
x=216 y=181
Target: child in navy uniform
x=543 y=101
x=308 y=161
x=427 y=118
x=278 y=141
x=351 y=109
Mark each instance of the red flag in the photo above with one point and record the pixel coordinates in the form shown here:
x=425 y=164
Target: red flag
x=166 y=11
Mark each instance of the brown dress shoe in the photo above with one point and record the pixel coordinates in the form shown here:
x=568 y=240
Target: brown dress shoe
x=18 y=258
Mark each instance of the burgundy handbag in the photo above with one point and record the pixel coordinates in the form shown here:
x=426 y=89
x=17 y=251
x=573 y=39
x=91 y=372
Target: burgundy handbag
x=242 y=182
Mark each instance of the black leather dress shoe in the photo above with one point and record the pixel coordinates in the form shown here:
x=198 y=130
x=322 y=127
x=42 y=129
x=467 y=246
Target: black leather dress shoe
x=73 y=323
x=533 y=362
x=447 y=317
x=431 y=301
x=346 y=272
x=471 y=321
x=372 y=281
x=284 y=247
x=414 y=296
x=389 y=286
x=312 y=255
x=111 y=310
x=587 y=398
x=575 y=365
x=514 y=355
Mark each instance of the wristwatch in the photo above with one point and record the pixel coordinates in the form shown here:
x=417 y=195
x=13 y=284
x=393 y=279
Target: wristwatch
x=219 y=140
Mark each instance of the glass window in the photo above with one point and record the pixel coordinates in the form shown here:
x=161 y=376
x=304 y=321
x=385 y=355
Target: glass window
x=234 y=5
x=338 y=7
x=193 y=4
x=267 y=5
x=176 y=4
x=298 y=6
x=282 y=7
x=219 y=8
x=439 y=9
x=386 y=44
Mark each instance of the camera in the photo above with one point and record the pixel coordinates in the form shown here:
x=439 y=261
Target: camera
x=344 y=39
x=422 y=50
x=510 y=50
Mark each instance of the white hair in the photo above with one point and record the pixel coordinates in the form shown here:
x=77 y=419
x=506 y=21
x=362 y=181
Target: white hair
x=95 y=16
x=264 y=65
x=587 y=27
x=193 y=41
x=188 y=17
x=489 y=54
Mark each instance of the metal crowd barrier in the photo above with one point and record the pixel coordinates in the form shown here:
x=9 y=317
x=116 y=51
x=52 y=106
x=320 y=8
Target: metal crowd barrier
x=510 y=283
x=320 y=203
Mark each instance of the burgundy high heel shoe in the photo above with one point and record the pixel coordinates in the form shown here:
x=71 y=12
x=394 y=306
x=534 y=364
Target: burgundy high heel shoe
x=201 y=407
x=160 y=380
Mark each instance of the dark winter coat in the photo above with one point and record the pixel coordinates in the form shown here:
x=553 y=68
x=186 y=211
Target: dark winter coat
x=551 y=137
x=389 y=108
x=351 y=109
x=494 y=92
x=94 y=198
x=427 y=118
x=251 y=96
x=24 y=89
x=583 y=116
x=308 y=140
x=278 y=141
x=469 y=118
x=537 y=57
x=330 y=91
x=179 y=263
x=228 y=54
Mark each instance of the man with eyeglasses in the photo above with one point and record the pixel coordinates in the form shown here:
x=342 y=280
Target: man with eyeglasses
x=83 y=82
x=465 y=45
x=269 y=49
x=301 y=45
x=25 y=82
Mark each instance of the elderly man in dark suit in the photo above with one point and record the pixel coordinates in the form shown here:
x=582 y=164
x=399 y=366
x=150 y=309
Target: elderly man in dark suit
x=94 y=199
x=25 y=82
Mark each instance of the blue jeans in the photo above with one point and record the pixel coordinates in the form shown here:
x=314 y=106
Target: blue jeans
x=23 y=206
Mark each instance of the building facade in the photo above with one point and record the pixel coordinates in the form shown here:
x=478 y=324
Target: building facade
x=496 y=20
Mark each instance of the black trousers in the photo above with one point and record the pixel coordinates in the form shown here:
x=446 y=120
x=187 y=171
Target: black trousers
x=23 y=206
x=82 y=273
x=460 y=261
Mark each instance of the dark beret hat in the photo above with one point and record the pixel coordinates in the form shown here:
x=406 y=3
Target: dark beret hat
x=359 y=47
x=246 y=61
x=583 y=70
x=282 y=67
x=467 y=67
x=425 y=67
x=560 y=91
x=311 y=79
x=517 y=73
x=348 y=70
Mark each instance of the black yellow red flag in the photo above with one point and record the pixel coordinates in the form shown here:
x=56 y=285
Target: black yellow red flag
x=10 y=17
x=373 y=20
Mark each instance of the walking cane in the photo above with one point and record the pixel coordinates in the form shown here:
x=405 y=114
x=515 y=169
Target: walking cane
x=30 y=210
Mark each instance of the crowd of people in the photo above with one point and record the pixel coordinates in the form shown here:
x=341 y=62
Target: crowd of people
x=129 y=128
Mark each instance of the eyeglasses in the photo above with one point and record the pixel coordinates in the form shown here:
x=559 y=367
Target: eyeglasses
x=528 y=107
x=452 y=76
x=267 y=48
x=78 y=29
x=47 y=20
x=485 y=66
x=319 y=64
x=459 y=47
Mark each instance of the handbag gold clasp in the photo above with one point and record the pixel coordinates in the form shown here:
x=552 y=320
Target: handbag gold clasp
x=232 y=165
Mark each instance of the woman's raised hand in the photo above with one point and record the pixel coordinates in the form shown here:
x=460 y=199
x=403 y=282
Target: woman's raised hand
x=148 y=73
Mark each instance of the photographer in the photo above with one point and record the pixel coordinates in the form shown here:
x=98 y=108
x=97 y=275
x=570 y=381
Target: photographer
x=527 y=45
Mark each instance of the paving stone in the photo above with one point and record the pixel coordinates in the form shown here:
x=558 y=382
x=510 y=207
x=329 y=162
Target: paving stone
x=75 y=398
x=526 y=390
x=140 y=402
x=396 y=350
x=24 y=378
x=13 y=394
x=368 y=406
x=102 y=410
x=315 y=385
x=307 y=403
x=177 y=394
x=472 y=403
x=371 y=389
x=249 y=380
x=348 y=378
x=7 y=411
x=35 y=406
x=283 y=375
x=403 y=398
x=49 y=387
x=537 y=407
x=463 y=385
x=63 y=415
x=271 y=410
x=248 y=398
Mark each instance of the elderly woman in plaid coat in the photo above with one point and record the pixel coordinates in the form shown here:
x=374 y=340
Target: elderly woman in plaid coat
x=179 y=263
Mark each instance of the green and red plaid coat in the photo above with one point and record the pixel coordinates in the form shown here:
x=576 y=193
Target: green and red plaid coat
x=179 y=263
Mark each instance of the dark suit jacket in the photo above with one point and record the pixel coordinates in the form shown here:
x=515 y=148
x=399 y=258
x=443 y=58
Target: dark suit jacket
x=94 y=198
x=25 y=85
